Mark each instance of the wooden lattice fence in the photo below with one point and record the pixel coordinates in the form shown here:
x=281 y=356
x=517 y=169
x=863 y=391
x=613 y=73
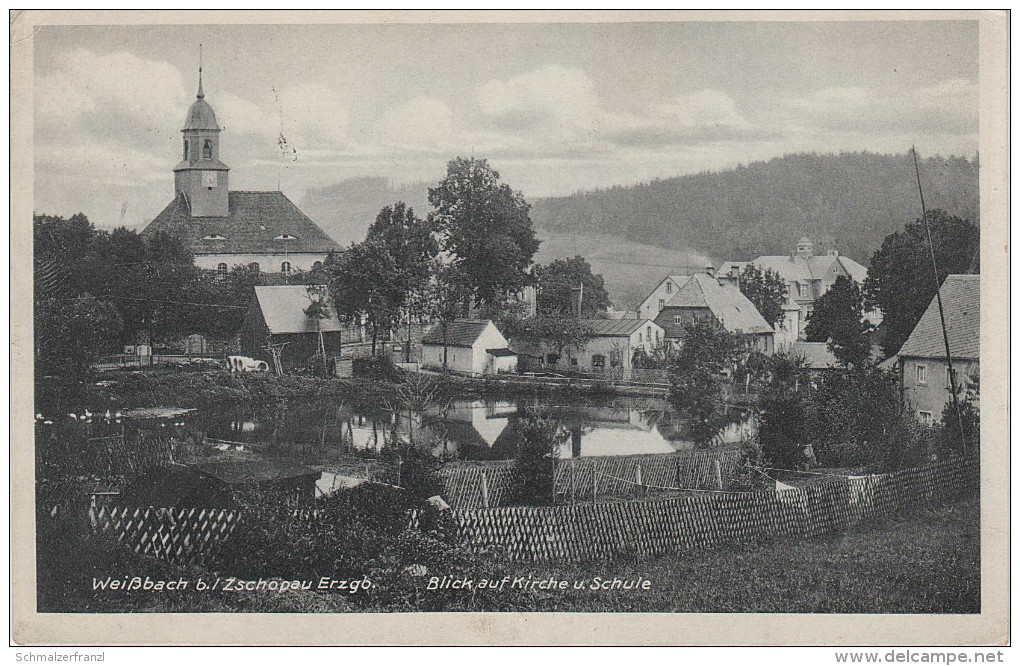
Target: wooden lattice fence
x=182 y=536
x=581 y=479
x=650 y=528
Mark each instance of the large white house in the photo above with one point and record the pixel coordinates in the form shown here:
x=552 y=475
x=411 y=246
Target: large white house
x=467 y=346
x=223 y=228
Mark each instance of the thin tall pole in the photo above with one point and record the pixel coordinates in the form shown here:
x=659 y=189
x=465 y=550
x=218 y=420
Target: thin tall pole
x=938 y=298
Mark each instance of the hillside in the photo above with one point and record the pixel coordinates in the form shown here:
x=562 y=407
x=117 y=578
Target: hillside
x=850 y=200
x=346 y=209
x=631 y=269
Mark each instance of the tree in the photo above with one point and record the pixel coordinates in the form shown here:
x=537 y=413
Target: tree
x=364 y=281
x=695 y=374
x=412 y=245
x=558 y=284
x=838 y=320
x=538 y=440
x=900 y=280
x=766 y=289
x=71 y=334
x=556 y=331
x=485 y=227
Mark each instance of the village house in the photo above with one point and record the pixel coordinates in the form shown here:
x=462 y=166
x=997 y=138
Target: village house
x=224 y=229
x=610 y=349
x=807 y=277
x=924 y=370
x=701 y=297
x=277 y=315
x=467 y=346
x=663 y=292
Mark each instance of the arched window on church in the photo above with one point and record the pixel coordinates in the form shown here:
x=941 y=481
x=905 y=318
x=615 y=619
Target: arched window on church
x=221 y=268
x=207 y=149
x=185 y=149
x=285 y=268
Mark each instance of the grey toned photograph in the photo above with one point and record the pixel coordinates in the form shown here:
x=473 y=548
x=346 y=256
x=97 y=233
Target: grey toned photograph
x=570 y=317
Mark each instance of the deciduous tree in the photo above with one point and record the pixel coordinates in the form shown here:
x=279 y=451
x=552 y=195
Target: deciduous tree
x=766 y=289
x=485 y=227
x=558 y=284
x=900 y=280
x=837 y=319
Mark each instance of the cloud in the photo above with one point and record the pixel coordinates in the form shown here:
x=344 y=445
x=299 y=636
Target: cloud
x=423 y=124
x=703 y=116
x=553 y=101
x=947 y=108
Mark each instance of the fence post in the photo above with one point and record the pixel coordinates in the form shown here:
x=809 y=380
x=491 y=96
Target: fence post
x=594 y=485
x=640 y=485
x=485 y=490
x=573 y=482
x=717 y=473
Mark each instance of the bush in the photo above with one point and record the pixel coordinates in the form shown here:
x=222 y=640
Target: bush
x=538 y=440
x=379 y=368
x=783 y=433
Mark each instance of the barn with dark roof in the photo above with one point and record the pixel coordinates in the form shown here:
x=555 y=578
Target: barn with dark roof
x=224 y=228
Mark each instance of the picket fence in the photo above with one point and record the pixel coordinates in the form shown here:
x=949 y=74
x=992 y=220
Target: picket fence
x=181 y=536
x=582 y=479
x=597 y=531
x=650 y=528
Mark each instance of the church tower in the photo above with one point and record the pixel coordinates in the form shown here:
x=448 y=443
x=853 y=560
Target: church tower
x=200 y=176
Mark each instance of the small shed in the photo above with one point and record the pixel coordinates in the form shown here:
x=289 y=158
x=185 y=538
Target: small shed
x=279 y=314
x=468 y=346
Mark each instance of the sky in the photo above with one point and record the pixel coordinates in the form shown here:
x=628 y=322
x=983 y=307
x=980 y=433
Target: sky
x=555 y=108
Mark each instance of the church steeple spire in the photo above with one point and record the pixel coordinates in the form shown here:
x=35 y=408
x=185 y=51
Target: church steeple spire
x=201 y=95
x=201 y=176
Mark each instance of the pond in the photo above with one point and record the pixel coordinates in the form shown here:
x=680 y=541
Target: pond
x=463 y=429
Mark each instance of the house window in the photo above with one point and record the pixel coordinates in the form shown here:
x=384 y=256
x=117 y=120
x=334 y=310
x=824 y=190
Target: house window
x=614 y=358
x=573 y=361
x=207 y=149
x=285 y=268
x=552 y=359
x=922 y=374
x=185 y=149
x=221 y=268
x=648 y=333
x=639 y=337
x=662 y=303
x=925 y=418
x=598 y=361
x=677 y=319
x=669 y=287
x=804 y=291
x=656 y=337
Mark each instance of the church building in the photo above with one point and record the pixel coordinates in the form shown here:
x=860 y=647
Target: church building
x=225 y=228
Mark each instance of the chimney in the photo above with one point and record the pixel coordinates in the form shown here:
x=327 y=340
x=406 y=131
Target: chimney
x=710 y=270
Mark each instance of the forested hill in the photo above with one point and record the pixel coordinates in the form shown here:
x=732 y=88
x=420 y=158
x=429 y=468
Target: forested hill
x=850 y=200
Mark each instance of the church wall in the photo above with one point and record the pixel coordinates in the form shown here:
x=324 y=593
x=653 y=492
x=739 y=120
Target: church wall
x=268 y=263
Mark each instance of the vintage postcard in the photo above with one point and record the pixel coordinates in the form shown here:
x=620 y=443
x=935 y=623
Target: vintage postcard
x=509 y=328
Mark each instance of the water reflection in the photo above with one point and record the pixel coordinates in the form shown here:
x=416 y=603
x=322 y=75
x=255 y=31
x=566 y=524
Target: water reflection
x=465 y=429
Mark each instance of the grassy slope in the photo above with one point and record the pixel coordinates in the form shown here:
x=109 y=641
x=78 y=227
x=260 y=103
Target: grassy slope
x=928 y=562
x=631 y=269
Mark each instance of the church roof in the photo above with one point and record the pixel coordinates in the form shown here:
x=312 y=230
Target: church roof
x=201 y=117
x=257 y=223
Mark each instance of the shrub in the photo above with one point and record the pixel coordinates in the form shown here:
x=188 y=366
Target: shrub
x=782 y=432
x=538 y=440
